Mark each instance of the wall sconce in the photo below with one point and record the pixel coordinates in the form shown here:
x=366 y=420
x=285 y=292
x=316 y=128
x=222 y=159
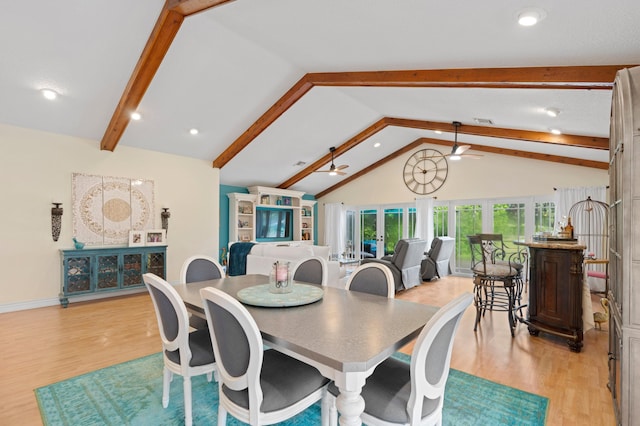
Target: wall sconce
x=56 y=220
x=165 y=215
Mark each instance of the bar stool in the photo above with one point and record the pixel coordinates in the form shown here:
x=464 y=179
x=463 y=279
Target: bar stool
x=497 y=280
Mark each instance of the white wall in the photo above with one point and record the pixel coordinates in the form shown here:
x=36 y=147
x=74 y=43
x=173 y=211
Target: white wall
x=35 y=170
x=491 y=176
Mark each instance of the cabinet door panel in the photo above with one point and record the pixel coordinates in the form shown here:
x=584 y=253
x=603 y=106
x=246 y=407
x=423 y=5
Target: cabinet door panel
x=155 y=264
x=107 y=272
x=553 y=296
x=132 y=270
x=78 y=274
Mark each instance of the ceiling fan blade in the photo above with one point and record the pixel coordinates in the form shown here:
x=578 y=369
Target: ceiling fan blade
x=344 y=166
x=340 y=172
x=462 y=148
x=474 y=156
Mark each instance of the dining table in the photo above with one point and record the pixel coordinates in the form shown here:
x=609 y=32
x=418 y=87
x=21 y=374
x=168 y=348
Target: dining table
x=344 y=334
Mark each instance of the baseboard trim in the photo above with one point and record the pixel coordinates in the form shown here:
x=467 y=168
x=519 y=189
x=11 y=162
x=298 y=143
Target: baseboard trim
x=43 y=303
x=32 y=304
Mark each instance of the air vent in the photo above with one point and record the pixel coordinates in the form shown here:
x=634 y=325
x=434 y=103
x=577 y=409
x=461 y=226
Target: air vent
x=300 y=164
x=484 y=121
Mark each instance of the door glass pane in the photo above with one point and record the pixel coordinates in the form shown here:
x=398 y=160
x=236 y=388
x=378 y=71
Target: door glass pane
x=392 y=229
x=350 y=236
x=368 y=232
x=508 y=220
x=441 y=221
x=468 y=222
x=412 y=222
x=544 y=217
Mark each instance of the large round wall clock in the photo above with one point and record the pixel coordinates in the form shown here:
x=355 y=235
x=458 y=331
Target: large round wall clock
x=425 y=171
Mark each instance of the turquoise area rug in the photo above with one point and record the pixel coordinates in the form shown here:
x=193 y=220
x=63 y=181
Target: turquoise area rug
x=131 y=394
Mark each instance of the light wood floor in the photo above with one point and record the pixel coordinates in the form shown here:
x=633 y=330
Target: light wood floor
x=43 y=346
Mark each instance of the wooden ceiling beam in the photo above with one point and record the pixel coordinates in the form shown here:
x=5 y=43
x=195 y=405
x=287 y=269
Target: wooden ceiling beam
x=354 y=141
x=524 y=135
x=602 y=165
x=497 y=132
x=582 y=77
x=167 y=25
x=272 y=114
x=502 y=151
x=573 y=77
x=191 y=7
x=351 y=178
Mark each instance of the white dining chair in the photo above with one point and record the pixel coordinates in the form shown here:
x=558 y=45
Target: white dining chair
x=200 y=268
x=311 y=270
x=398 y=393
x=184 y=353
x=372 y=278
x=256 y=386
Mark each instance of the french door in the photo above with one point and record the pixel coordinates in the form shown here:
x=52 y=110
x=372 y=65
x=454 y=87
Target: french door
x=381 y=228
x=467 y=221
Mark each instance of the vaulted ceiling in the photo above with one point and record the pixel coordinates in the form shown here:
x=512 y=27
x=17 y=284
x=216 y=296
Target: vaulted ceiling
x=273 y=84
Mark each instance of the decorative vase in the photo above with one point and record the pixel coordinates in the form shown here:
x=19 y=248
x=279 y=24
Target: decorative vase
x=78 y=244
x=279 y=278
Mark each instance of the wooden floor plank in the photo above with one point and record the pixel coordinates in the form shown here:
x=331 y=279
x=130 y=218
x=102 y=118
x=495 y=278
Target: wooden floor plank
x=46 y=345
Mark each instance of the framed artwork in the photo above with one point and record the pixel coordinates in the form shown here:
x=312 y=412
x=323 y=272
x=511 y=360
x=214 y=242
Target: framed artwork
x=106 y=208
x=156 y=237
x=136 y=238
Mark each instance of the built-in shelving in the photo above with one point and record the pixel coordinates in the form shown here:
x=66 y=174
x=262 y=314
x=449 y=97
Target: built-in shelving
x=242 y=220
x=244 y=207
x=306 y=220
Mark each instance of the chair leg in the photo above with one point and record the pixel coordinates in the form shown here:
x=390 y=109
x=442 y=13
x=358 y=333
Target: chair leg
x=478 y=302
x=333 y=411
x=187 y=401
x=325 y=407
x=222 y=415
x=511 y=307
x=166 y=385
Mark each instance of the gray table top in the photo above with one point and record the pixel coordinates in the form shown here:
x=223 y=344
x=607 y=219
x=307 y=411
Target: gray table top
x=345 y=330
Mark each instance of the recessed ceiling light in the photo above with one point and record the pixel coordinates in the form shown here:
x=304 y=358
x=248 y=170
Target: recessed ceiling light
x=437 y=132
x=49 y=94
x=136 y=116
x=555 y=131
x=552 y=112
x=377 y=144
x=194 y=131
x=530 y=17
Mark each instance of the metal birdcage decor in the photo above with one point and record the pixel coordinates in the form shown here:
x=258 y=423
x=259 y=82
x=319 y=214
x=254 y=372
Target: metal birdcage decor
x=591 y=227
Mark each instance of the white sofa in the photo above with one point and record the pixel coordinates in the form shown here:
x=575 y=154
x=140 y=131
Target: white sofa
x=262 y=257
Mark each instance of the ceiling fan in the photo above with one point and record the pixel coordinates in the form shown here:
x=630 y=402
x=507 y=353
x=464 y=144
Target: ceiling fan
x=457 y=151
x=333 y=169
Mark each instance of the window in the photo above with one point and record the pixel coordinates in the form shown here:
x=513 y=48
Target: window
x=544 y=217
x=508 y=220
x=440 y=221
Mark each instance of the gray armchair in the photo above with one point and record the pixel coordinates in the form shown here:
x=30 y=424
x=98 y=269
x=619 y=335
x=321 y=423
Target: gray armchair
x=436 y=264
x=405 y=263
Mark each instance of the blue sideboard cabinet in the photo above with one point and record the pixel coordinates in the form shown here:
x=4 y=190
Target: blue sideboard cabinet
x=113 y=269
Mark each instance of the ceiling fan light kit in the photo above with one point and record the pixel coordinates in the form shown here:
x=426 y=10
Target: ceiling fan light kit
x=458 y=150
x=333 y=170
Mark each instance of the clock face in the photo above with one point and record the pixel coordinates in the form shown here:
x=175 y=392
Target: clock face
x=425 y=171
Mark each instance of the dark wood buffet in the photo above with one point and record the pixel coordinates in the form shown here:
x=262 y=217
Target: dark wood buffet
x=555 y=291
